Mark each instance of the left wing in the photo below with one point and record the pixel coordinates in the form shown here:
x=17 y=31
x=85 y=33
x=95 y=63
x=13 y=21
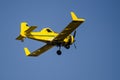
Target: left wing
x=70 y=27
x=38 y=51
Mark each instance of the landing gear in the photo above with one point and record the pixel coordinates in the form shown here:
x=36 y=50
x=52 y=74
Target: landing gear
x=59 y=52
x=67 y=46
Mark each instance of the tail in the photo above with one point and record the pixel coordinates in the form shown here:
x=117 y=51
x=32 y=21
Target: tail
x=25 y=30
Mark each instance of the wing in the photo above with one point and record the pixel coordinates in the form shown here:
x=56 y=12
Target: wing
x=70 y=27
x=38 y=51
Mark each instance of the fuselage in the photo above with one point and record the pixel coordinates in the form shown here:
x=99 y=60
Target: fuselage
x=47 y=35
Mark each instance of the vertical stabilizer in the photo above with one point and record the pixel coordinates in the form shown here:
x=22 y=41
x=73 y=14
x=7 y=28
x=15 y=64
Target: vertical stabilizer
x=24 y=26
x=25 y=30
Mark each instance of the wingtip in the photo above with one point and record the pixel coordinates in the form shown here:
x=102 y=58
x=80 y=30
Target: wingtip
x=75 y=18
x=27 y=52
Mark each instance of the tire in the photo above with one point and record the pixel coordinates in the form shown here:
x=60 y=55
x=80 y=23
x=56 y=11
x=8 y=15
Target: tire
x=67 y=46
x=59 y=52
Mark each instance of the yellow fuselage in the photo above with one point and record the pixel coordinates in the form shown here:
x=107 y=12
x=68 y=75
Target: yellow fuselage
x=47 y=35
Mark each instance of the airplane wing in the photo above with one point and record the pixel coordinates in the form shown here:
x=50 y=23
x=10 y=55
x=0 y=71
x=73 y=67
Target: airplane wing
x=38 y=51
x=70 y=27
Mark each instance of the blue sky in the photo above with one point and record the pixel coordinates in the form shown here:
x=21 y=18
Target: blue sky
x=98 y=41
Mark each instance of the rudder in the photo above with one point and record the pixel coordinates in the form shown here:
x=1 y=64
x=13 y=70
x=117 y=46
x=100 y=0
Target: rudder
x=24 y=26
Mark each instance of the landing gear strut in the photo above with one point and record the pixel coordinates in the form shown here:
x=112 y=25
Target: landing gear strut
x=59 y=51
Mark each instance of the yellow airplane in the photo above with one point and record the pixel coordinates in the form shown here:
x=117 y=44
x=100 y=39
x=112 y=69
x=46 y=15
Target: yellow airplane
x=51 y=38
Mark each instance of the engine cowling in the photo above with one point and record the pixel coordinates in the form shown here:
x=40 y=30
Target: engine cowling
x=70 y=42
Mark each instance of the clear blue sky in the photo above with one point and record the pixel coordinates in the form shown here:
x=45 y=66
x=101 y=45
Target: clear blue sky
x=97 y=56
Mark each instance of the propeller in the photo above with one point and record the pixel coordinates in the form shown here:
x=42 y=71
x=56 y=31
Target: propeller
x=69 y=42
x=75 y=46
x=74 y=35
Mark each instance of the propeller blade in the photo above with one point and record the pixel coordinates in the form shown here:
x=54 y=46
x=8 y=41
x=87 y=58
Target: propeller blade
x=74 y=34
x=75 y=46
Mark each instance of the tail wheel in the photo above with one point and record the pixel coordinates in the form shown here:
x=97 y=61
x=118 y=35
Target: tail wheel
x=59 y=52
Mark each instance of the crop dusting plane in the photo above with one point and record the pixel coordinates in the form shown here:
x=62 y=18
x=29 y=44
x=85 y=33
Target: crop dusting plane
x=51 y=38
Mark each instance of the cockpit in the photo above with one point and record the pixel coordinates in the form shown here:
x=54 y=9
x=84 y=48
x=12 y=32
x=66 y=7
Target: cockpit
x=48 y=30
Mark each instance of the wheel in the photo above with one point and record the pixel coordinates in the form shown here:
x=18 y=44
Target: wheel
x=67 y=46
x=59 y=52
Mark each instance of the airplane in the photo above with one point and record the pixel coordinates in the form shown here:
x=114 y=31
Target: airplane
x=50 y=37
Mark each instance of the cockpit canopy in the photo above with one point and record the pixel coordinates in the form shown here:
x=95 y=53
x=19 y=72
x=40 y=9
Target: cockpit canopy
x=48 y=30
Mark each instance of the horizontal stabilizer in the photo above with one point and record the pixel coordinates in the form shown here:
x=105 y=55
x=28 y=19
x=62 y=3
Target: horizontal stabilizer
x=30 y=29
x=75 y=18
x=20 y=37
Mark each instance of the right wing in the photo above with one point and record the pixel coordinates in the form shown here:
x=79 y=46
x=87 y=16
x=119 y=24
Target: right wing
x=38 y=51
x=69 y=28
